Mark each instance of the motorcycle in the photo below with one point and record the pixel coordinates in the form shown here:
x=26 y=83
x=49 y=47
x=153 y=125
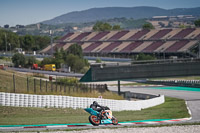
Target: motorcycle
x=104 y=117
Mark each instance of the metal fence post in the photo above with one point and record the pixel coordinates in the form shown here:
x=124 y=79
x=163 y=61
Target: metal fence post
x=65 y=88
x=40 y=85
x=51 y=86
x=77 y=88
x=14 y=83
x=56 y=84
x=60 y=87
x=34 y=86
x=90 y=88
x=69 y=89
x=27 y=85
x=46 y=85
x=119 y=87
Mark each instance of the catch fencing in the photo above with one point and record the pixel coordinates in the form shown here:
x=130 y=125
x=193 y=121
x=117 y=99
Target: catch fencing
x=57 y=101
x=16 y=83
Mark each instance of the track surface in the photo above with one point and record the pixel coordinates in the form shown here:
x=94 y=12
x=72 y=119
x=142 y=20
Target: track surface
x=191 y=97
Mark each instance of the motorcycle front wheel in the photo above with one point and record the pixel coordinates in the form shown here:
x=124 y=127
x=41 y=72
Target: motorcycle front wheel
x=94 y=120
x=114 y=121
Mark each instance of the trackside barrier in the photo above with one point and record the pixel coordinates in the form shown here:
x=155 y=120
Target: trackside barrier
x=184 y=83
x=28 y=100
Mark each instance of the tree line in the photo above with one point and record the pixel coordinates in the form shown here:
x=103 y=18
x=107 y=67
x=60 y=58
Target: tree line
x=73 y=58
x=27 y=42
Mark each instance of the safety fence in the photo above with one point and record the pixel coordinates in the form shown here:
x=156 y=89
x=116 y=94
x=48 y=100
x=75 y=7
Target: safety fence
x=184 y=83
x=16 y=83
x=56 y=101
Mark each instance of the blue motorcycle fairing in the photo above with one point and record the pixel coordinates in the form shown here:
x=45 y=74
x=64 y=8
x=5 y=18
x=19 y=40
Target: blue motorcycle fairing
x=107 y=121
x=91 y=111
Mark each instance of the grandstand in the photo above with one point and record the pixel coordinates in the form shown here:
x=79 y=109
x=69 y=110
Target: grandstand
x=130 y=42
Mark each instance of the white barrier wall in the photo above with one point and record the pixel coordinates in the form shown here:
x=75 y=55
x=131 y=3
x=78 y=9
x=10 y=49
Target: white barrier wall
x=28 y=100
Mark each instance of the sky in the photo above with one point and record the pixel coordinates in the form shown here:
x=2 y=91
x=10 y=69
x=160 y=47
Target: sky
x=26 y=12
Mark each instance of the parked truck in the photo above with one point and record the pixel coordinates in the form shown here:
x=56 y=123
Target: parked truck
x=49 y=67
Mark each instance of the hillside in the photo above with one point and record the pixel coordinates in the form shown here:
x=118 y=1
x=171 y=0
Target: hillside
x=95 y=14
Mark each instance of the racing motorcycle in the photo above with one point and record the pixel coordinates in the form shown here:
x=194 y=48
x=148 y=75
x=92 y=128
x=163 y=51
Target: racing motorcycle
x=104 y=117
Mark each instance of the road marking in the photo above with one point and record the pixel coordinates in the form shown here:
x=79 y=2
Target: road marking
x=153 y=121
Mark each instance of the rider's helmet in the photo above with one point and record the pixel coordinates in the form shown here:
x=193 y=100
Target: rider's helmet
x=95 y=103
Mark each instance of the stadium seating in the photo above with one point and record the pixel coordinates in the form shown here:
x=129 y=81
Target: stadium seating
x=110 y=47
x=160 y=34
x=99 y=36
x=92 y=47
x=66 y=36
x=139 y=34
x=176 y=46
x=131 y=46
x=183 y=33
x=118 y=35
x=131 y=41
x=153 y=46
x=197 y=37
x=81 y=36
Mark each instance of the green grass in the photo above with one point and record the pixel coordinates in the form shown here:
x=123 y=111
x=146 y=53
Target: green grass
x=172 y=108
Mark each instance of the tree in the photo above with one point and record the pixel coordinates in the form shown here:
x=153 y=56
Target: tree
x=142 y=56
x=58 y=57
x=40 y=42
x=182 y=26
x=116 y=27
x=18 y=60
x=100 y=26
x=30 y=60
x=71 y=59
x=76 y=63
x=75 y=49
x=28 y=42
x=197 y=23
x=47 y=61
x=148 y=26
x=97 y=26
x=7 y=37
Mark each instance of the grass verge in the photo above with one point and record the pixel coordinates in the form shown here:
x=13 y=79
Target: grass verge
x=172 y=108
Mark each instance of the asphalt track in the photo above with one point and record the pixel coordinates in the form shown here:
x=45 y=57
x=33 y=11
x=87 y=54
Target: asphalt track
x=190 y=95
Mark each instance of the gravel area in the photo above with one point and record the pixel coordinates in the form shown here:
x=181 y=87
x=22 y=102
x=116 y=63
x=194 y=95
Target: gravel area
x=171 y=129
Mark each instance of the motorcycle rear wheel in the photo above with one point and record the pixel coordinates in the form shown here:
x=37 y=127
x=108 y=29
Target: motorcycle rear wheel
x=94 y=120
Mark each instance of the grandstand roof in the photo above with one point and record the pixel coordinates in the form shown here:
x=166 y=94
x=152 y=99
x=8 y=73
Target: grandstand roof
x=131 y=41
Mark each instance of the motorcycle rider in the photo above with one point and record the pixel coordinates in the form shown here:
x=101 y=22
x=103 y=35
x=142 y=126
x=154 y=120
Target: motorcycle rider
x=95 y=106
